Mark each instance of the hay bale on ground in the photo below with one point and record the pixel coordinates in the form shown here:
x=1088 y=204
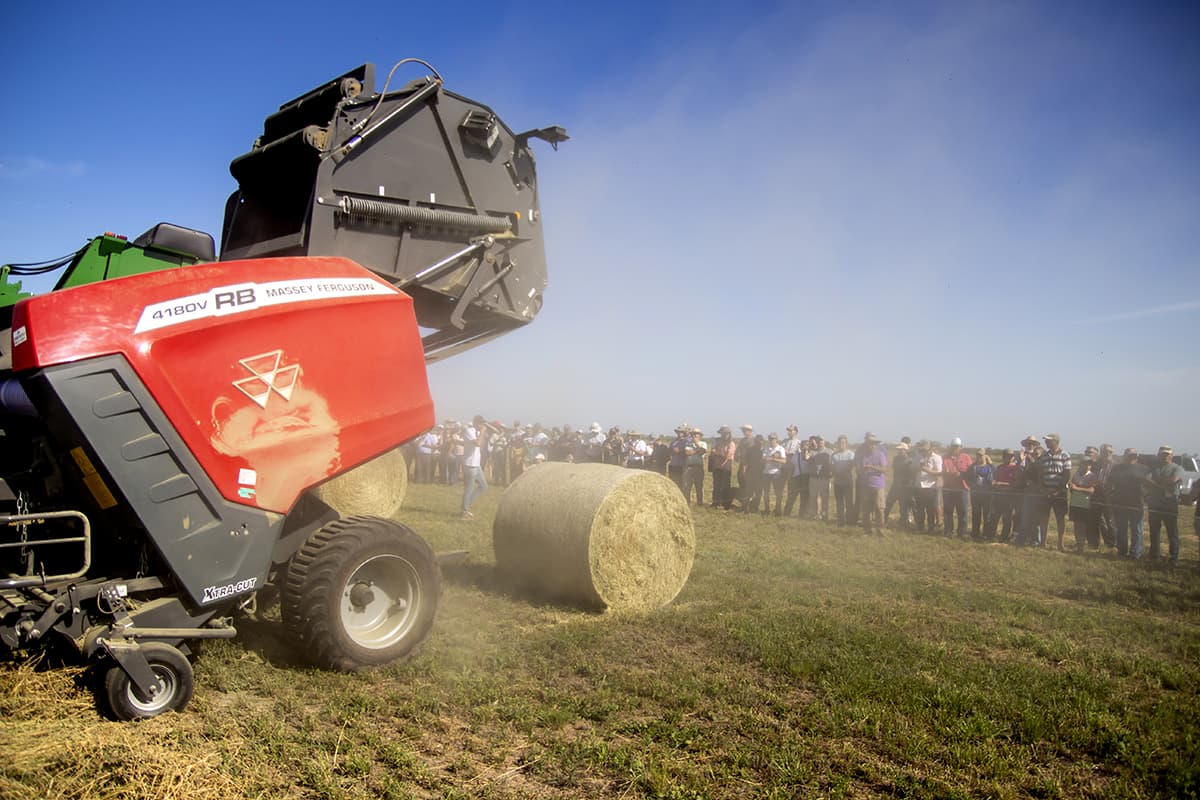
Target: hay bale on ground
x=376 y=487
x=595 y=535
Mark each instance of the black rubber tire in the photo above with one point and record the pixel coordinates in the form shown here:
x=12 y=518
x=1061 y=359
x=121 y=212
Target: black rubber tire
x=361 y=592
x=175 y=678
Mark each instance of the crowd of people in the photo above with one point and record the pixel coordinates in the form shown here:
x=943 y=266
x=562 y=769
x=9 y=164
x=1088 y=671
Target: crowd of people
x=1011 y=498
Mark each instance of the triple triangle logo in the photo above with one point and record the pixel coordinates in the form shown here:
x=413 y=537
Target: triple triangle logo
x=266 y=376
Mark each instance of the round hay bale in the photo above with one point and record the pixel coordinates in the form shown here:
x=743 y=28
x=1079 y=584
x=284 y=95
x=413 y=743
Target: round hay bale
x=595 y=535
x=376 y=487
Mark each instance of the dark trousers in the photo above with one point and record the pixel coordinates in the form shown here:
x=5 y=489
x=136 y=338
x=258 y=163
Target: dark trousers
x=954 y=501
x=722 y=493
x=1001 y=511
x=693 y=478
x=925 y=510
x=1058 y=506
x=843 y=498
x=797 y=488
x=749 y=487
x=676 y=474
x=424 y=467
x=870 y=508
x=1168 y=518
x=1106 y=523
x=902 y=496
x=500 y=468
x=981 y=503
x=773 y=482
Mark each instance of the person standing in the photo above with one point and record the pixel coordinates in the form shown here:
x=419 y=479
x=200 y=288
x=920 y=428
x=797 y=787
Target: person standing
x=693 y=468
x=820 y=471
x=594 y=444
x=636 y=450
x=1030 y=528
x=1126 y=490
x=773 y=476
x=954 y=488
x=1082 y=514
x=1105 y=523
x=872 y=466
x=499 y=455
x=747 y=478
x=1054 y=469
x=537 y=443
x=721 y=465
x=1162 y=501
x=929 y=471
x=980 y=477
x=614 y=447
x=660 y=454
x=1004 y=498
x=678 y=461
x=804 y=473
x=901 y=489
x=843 y=480
x=474 y=441
x=792 y=446
x=426 y=447
x=754 y=473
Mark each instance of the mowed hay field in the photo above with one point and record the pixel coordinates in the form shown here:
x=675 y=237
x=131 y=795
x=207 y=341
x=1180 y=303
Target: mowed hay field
x=800 y=660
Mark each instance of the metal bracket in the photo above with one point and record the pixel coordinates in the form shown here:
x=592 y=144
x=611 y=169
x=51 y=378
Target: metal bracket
x=130 y=658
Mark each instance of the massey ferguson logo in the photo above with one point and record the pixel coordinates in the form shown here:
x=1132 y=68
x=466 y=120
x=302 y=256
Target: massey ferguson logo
x=267 y=375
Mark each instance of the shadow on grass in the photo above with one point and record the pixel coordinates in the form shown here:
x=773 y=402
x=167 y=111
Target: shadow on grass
x=488 y=579
x=269 y=639
x=1151 y=586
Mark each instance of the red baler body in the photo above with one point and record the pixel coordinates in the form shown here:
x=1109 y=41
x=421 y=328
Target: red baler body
x=277 y=373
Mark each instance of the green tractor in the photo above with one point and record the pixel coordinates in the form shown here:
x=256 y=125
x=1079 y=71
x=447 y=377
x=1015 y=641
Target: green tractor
x=105 y=257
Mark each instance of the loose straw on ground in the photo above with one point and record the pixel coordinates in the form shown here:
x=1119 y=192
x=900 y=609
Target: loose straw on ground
x=595 y=535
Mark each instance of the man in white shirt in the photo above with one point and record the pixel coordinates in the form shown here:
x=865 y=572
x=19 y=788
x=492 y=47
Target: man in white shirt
x=929 y=471
x=774 y=459
x=474 y=484
x=595 y=443
x=427 y=445
x=636 y=451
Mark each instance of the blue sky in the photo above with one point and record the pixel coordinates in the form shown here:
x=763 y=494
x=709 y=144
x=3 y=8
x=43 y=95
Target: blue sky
x=934 y=219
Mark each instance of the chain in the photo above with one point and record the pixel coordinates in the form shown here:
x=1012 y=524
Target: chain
x=26 y=554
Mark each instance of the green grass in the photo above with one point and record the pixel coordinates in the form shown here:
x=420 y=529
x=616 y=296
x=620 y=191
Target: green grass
x=801 y=660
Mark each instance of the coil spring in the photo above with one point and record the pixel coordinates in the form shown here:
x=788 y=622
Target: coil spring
x=397 y=212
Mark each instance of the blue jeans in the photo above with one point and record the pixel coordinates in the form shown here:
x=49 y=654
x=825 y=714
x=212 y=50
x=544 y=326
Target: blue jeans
x=473 y=486
x=1129 y=530
x=1170 y=519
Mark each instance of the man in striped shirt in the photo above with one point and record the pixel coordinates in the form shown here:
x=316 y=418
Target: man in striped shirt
x=1054 y=469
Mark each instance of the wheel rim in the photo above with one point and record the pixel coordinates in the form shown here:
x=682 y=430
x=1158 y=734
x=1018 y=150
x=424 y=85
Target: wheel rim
x=381 y=601
x=168 y=685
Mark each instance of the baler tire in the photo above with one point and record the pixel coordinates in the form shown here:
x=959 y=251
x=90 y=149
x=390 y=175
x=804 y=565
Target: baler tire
x=175 y=679
x=361 y=592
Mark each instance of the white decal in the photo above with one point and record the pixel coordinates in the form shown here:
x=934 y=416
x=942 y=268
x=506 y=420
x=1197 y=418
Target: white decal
x=266 y=376
x=19 y=336
x=212 y=593
x=242 y=297
x=247 y=477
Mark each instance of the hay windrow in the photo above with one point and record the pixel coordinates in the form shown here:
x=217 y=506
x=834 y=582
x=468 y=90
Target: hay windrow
x=53 y=744
x=376 y=487
x=596 y=536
